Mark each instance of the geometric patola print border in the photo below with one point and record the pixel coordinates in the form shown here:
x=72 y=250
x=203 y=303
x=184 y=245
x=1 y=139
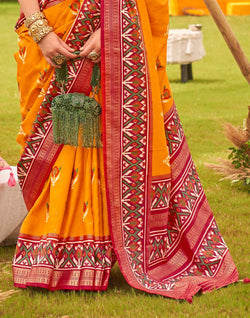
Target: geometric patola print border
x=135 y=130
x=64 y=254
x=52 y=263
x=186 y=197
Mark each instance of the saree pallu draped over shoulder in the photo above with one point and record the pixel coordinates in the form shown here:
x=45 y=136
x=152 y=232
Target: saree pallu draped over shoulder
x=140 y=196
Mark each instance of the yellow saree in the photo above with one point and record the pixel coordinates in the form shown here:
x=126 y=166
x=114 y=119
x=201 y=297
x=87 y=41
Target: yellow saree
x=68 y=221
x=139 y=196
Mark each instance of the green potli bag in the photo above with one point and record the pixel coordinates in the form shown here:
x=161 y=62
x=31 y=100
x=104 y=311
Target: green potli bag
x=75 y=116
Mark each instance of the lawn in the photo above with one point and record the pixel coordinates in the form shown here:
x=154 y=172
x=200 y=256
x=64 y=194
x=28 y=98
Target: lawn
x=218 y=93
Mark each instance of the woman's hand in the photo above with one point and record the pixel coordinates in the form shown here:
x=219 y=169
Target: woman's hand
x=52 y=45
x=93 y=44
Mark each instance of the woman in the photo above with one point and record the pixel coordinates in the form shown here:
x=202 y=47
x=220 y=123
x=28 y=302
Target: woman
x=138 y=198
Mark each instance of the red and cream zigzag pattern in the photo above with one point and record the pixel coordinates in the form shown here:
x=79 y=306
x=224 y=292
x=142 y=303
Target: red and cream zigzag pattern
x=189 y=207
x=182 y=195
x=135 y=141
x=69 y=263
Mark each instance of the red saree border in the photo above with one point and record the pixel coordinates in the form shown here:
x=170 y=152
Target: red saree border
x=57 y=238
x=110 y=82
x=195 y=249
x=66 y=263
x=40 y=152
x=134 y=103
x=73 y=279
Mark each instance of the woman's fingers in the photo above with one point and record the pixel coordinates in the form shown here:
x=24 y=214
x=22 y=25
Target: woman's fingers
x=93 y=44
x=51 y=46
x=67 y=49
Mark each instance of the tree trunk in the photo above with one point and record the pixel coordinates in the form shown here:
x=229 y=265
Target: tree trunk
x=229 y=37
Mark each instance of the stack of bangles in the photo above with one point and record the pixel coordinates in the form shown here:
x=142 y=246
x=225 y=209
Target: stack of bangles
x=38 y=26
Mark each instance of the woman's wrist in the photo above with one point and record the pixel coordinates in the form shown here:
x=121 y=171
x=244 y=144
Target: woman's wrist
x=38 y=26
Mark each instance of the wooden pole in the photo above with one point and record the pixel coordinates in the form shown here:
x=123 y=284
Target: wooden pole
x=229 y=37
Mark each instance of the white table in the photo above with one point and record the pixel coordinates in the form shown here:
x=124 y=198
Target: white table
x=12 y=208
x=185 y=46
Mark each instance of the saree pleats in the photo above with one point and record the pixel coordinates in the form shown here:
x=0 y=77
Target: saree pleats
x=64 y=241
x=163 y=231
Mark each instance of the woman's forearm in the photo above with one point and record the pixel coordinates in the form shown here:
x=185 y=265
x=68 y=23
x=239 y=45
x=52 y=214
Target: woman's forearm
x=29 y=7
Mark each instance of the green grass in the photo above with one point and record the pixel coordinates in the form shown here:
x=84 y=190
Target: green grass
x=218 y=93
x=9 y=107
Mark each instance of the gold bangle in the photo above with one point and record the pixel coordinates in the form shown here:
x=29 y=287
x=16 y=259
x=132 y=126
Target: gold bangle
x=39 y=29
x=33 y=18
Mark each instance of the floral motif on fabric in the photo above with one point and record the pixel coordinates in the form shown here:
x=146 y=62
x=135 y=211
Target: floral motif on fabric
x=74 y=179
x=22 y=53
x=42 y=77
x=166 y=94
x=158 y=64
x=85 y=210
x=75 y=6
x=47 y=213
x=55 y=174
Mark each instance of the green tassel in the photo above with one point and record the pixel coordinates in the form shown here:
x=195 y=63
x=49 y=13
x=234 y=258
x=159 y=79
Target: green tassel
x=75 y=116
x=95 y=78
x=62 y=75
x=76 y=120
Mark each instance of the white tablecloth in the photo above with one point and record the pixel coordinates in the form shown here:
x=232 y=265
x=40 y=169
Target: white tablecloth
x=184 y=46
x=12 y=208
